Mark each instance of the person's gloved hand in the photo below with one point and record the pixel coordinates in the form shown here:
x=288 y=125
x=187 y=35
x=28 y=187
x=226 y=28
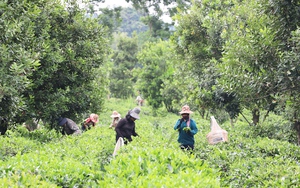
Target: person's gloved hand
x=187 y=129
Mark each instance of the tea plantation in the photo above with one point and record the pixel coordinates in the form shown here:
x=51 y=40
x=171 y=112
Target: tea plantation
x=262 y=156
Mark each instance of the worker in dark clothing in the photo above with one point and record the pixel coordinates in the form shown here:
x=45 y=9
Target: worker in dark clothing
x=126 y=126
x=69 y=126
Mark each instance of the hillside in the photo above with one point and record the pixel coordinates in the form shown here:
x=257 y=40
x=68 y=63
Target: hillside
x=131 y=22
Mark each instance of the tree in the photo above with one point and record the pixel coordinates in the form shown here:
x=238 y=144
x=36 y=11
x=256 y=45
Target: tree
x=155 y=59
x=69 y=47
x=156 y=6
x=251 y=51
x=18 y=60
x=124 y=61
x=153 y=11
x=199 y=45
x=131 y=22
x=288 y=78
x=234 y=44
x=110 y=18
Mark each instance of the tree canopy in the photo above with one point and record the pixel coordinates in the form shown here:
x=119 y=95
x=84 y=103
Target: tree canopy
x=50 y=54
x=217 y=56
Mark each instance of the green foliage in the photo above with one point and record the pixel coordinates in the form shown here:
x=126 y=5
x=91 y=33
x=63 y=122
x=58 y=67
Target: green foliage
x=241 y=47
x=288 y=79
x=171 y=92
x=252 y=161
x=12 y=145
x=53 y=65
x=152 y=13
x=156 y=60
x=247 y=160
x=199 y=46
x=83 y=48
x=110 y=18
x=177 y=169
x=227 y=101
x=253 y=65
x=157 y=28
x=254 y=44
x=287 y=16
x=18 y=60
x=22 y=179
x=124 y=61
x=41 y=135
x=46 y=162
x=131 y=22
x=276 y=128
x=154 y=6
x=54 y=53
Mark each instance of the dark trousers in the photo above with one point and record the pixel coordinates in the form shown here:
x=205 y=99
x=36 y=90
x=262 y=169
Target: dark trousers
x=187 y=147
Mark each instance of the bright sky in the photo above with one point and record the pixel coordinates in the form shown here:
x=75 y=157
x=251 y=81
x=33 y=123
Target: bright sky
x=111 y=3
x=114 y=3
x=123 y=3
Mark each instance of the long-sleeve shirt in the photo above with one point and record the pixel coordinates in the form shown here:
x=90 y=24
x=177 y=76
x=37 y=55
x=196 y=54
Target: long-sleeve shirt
x=87 y=124
x=186 y=138
x=125 y=128
x=70 y=128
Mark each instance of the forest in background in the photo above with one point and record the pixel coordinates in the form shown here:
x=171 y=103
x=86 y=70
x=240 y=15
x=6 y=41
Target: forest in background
x=222 y=58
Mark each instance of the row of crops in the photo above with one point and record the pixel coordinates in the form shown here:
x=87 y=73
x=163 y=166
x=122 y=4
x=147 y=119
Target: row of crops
x=44 y=158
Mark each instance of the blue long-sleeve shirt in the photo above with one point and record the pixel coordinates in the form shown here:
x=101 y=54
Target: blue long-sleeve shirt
x=186 y=138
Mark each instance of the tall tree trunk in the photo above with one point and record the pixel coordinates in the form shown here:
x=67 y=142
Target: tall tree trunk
x=255 y=116
x=231 y=122
x=3 y=125
x=265 y=117
x=202 y=113
x=297 y=127
x=245 y=118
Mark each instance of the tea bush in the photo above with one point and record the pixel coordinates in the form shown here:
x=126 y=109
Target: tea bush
x=251 y=158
